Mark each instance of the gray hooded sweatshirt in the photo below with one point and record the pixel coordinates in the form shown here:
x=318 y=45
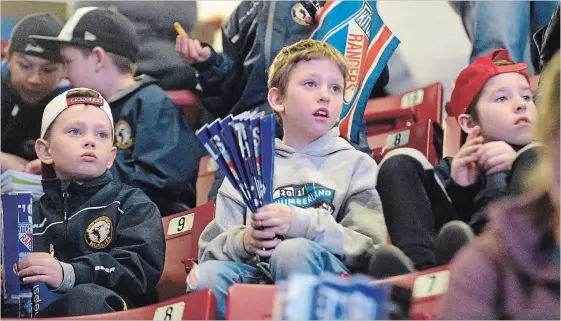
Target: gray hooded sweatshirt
x=331 y=189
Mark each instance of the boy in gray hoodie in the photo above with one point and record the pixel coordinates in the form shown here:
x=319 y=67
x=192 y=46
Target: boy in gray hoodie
x=326 y=207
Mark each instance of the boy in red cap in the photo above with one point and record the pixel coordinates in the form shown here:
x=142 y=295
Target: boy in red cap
x=494 y=106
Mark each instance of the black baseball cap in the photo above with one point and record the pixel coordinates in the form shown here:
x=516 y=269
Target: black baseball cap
x=45 y=24
x=98 y=27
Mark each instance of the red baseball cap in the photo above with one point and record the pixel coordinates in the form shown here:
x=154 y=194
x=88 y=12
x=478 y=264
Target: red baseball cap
x=472 y=79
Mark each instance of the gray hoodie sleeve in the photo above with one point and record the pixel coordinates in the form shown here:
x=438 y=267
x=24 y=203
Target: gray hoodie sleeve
x=222 y=239
x=361 y=223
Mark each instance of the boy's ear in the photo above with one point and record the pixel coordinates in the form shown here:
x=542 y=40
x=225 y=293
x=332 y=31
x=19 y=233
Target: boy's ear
x=275 y=100
x=111 y=159
x=42 y=151
x=100 y=58
x=467 y=123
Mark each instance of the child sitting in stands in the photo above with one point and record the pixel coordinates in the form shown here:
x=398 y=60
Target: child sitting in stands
x=493 y=103
x=97 y=241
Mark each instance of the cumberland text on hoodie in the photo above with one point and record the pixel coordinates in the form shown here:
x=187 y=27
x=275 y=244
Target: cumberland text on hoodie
x=331 y=189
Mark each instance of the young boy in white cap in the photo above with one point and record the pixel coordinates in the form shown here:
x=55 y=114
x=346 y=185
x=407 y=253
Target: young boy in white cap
x=97 y=241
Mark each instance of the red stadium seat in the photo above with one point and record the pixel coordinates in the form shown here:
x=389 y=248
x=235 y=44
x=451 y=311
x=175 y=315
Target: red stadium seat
x=207 y=168
x=250 y=302
x=189 y=105
x=452 y=139
x=427 y=286
x=200 y=305
x=427 y=289
x=401 y=111
x=424 y=136
x=182 y=237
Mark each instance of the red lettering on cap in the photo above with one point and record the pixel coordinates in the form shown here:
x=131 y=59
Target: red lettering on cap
x=84 y=100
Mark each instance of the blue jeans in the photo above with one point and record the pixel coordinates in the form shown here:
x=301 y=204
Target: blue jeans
x=297 y=255
x=505 y=24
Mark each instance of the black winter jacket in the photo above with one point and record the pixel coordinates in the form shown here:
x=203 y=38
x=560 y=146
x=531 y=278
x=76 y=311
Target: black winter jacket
x=109 y=233
x=157 y=150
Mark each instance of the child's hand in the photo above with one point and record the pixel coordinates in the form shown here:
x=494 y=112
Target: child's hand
x=273 y=217
x=33 y=167
x=259 y=242
x=190 y=50
x=40 y=267
x=465 y=169
x=496 y=157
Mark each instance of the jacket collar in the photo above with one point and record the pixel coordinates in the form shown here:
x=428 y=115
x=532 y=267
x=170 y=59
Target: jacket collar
x=141 y=82
x=54 y=188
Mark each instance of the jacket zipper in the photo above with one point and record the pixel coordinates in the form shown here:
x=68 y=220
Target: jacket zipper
x=65 y=203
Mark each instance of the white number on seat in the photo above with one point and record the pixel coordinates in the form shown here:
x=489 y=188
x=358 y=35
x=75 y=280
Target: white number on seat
x=181 y=224
x=398 y=139
x=170 y=312
x=431 y=284
x=412 y=99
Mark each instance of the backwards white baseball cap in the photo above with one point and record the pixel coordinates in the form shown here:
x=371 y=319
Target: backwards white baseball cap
x=75 y=96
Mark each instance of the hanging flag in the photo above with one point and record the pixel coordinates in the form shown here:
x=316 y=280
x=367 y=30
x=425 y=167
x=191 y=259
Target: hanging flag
x=358 y=32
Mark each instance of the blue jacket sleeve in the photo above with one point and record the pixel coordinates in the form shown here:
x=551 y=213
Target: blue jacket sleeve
x=165 y=154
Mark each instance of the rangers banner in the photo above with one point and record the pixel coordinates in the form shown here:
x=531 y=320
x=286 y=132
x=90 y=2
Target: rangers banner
x=357 y=31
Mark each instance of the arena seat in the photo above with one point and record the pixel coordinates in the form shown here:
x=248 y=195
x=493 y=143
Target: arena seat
x=261 y=299
x=402 y=111
x=205 y=179
x=425 y=136
x=182 y=232
x=200 y=305
x=428 y=288
x=452 y=138
x=189 y=104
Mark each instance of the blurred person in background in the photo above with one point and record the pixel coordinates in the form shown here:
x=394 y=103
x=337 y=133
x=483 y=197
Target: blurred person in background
x=153 y=21
x=31 y=76
x=505 y=24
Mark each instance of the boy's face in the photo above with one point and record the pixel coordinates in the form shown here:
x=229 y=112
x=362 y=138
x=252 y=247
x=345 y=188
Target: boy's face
x=80 y=68
x=506 y=109
x=34 y=78
x=313 y=99
x=80 y=145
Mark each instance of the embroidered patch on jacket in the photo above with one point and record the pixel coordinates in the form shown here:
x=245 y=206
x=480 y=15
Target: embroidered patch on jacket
x=305 y=195
x=99 y=233
x=299 y=14
x=123 y=135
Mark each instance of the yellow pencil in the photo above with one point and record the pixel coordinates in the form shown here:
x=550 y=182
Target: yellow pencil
x=179 y=29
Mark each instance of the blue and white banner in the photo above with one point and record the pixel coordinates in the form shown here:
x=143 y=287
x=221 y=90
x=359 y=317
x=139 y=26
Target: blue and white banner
x=358 y=32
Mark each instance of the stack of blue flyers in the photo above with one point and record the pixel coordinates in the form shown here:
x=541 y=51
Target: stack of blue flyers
x=243 y=147
x=332 y=297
